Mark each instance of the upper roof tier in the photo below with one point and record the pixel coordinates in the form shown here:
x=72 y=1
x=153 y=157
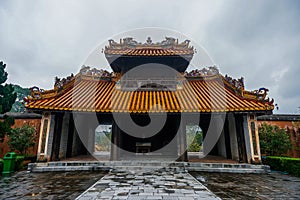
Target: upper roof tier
x=129 y=53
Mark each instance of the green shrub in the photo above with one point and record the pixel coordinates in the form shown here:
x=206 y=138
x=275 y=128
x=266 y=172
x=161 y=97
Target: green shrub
x=194 y=138
x=21 y=139
x=284 y=164
x=1 y=165
x=274 y=141
x=19 y=163
x=30 y=157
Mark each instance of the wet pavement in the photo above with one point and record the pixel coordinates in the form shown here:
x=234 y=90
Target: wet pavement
x=251 y=186
x=69 y=185
x=155 y=185
x=50 y=185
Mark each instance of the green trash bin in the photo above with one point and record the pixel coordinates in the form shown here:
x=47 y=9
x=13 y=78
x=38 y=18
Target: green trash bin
x=9 y=163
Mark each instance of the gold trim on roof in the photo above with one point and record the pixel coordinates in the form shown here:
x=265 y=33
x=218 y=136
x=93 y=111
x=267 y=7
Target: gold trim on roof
x=129 y=46
x=95 y=94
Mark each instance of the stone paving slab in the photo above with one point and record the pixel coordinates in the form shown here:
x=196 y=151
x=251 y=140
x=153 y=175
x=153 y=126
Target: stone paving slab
x=155 y=185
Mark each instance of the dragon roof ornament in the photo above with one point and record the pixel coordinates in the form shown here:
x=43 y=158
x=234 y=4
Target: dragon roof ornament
x=130 y=43
x=237 y=83
x=60 y=82
x=238 y=87
x=88 y=72
x=210 y=71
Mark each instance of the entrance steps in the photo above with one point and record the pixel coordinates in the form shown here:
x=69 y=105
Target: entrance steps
x=146 y=166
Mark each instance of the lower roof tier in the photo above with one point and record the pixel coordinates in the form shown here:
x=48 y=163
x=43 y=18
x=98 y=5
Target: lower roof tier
x=193 y=96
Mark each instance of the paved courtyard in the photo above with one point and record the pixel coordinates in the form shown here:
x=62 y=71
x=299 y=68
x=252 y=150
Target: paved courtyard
x=69 y=185
x=147 y=185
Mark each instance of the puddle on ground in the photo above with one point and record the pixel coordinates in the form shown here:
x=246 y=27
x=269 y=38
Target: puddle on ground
x=49 y=185
x=251 y=186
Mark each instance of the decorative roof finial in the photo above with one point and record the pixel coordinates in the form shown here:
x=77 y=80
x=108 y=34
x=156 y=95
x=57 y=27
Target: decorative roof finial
x=149 y=40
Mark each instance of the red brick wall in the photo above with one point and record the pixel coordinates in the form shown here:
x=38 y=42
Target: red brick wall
x=292 y=131
x=4 y=148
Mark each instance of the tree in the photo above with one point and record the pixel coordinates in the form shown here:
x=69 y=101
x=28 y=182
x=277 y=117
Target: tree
x=194 y=137
x=103 y=138
x=18 y=106
x=7 y=94
x=103 y=141
x=7 y=98
x=21 y=139
x=274 y=141
x=5 y=126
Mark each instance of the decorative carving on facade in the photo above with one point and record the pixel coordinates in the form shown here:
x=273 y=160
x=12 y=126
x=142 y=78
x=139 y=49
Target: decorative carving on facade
x=237 y=83
x=261 y=95
x=261 y=92
x=59 y=83
x=238 y=87
x=148 y=84
x=210 y=71
x=36 y=92
x=130 y=43
x=95 y=73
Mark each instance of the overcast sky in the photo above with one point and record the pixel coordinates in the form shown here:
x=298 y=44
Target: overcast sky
x=259 y=40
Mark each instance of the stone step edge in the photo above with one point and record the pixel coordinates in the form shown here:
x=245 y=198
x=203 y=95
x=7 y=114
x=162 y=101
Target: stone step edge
x=228 y=170
x=34 y=168
x=246 y=171
x=90 y=168
x=131 y=163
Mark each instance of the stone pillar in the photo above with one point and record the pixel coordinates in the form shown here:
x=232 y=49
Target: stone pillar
x=64 y=136
x=43 y=143
x=50 y=137
x=221 y=145
x=70 y=137
x=58 y=119
x=76 y=144
x=233 y=137
x=254 y=138
x=93 y=123
x=114 y=155
x=91 y=140
x=182 y=142
x=248 y=140
x=250 y=129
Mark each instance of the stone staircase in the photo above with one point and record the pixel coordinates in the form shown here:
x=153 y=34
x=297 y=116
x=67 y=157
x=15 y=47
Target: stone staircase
x=134 y=166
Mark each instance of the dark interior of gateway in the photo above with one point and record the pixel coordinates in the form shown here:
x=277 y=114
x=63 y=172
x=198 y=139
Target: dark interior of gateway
x=168 y=143
x=123 y=63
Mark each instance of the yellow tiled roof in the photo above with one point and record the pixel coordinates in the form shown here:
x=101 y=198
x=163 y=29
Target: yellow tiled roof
x=149 y=52
x=195 y=96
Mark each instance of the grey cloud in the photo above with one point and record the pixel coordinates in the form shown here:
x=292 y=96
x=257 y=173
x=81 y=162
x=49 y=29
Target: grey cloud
x=258 y=40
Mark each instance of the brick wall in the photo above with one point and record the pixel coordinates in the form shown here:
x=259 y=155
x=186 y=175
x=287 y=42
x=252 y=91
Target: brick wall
x=35 y=122
x=292 y=130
